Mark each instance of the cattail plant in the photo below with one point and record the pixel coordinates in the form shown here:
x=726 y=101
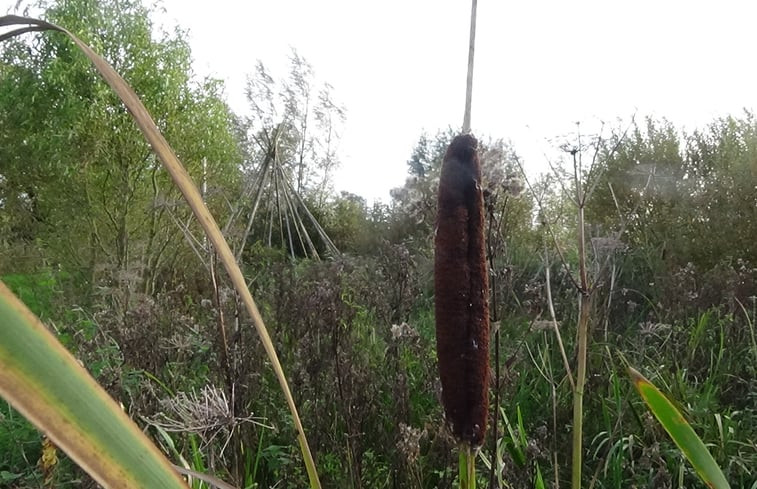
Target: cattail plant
x=462 y=297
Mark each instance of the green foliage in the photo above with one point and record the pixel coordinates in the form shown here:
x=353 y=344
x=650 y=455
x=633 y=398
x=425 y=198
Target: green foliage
x=69 y=146
x=37 y=291
x=671 y=193
x=20 y=446
x=351 y=225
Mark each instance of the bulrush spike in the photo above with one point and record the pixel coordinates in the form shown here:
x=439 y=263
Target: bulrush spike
x=462 y=293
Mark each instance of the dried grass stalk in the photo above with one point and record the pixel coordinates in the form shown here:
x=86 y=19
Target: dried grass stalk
x=462 y=293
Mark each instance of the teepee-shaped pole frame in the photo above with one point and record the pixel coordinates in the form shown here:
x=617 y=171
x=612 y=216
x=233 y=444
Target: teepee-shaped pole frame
x=284 y=207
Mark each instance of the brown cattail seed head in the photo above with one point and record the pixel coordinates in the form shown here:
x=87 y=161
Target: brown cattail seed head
x=462 y=292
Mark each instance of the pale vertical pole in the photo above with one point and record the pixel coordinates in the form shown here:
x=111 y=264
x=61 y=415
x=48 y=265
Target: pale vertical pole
x=203 y=194
x=469 y=84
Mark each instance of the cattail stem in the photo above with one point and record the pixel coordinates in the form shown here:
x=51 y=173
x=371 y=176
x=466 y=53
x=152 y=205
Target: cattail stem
x=469 y=78
x=467 y=466
x=462 y=293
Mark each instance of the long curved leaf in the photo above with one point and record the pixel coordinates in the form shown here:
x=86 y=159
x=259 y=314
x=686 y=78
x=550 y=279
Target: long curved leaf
x=46 y=384
x=680 y=431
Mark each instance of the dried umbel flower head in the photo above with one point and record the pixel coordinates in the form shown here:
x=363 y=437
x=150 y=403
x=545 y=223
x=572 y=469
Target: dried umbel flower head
x=462 y=293
x=409 y=443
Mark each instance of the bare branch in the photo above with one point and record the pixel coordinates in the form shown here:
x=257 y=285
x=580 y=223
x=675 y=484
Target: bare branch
x=598 y=177
x=546 y=224
x=558 y=335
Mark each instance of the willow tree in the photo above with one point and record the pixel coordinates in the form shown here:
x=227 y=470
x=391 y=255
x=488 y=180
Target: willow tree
x=78 y=180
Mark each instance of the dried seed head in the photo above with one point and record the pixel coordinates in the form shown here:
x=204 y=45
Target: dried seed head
x=462 y=292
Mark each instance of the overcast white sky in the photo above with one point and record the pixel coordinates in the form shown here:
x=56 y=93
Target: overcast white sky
x=398 y=66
